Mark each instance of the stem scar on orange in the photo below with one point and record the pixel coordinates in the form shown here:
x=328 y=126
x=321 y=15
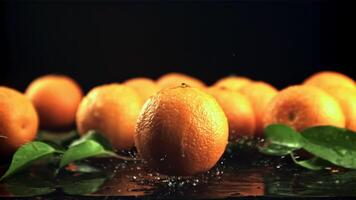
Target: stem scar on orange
x=304 y=106
x=181 y=131
x=175 y=79
x=232 y=82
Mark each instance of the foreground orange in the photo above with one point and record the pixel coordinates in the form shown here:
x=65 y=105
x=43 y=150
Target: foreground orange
x=327 y=79
x=18 y=120
x=302 y=107
x=181 y=131
x=259 y=94
x=232 y=82
x=346 y=97
x=145 y=87
x=238 y=111
x=112 y=110
x=56 y=99
x=175 y=79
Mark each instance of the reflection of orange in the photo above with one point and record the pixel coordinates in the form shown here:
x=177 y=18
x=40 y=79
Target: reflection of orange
x=112 y=110
x=259 y=94
x=346 y=97
x=175 y=79
x=181 y=131
x=18 y=120
x=326 y=79
x=56 y=99
x=145 y=87
x=238 y=111
x=304 y=106
x=232 y=82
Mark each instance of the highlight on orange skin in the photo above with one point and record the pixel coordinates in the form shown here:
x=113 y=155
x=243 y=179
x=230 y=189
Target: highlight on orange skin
x=232 y=82
x=327 y=79
x=18 y=120
x=238 y=111
x=175 y=79
x=259 y=94
x=145 y=87
x=346 y=97
x=56 y=99
x=302 y=107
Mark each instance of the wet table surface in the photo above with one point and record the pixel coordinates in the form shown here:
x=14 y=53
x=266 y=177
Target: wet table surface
x=237 y=175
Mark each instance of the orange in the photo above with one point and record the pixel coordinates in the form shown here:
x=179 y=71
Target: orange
x=259 y=94
x=145 y=87
x=175 y=79
x=238 y=111
x=232 y=82
x=56 y=99
x=181 y=131
x=326 y=79
x=346 y=97
x=304 y=106
x=18 y=120
x=112 y=110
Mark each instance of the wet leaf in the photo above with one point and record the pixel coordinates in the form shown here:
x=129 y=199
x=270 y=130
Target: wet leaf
x=336 y=145
x=276 y=150
x=85 y=149
x=28 y=154
x=314 y=163
x=93 y=135
x=280 y=140
x=283 y=135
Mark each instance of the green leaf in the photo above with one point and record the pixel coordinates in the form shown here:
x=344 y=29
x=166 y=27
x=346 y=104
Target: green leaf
x=276 y=150
x=336 y=145
x=28 y=154
x=85 y=149
x=93 y=135
x=314 y=163
x=280 y=140
x=283 y=135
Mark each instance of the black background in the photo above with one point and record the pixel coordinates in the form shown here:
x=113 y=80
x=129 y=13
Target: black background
x=95 y=42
